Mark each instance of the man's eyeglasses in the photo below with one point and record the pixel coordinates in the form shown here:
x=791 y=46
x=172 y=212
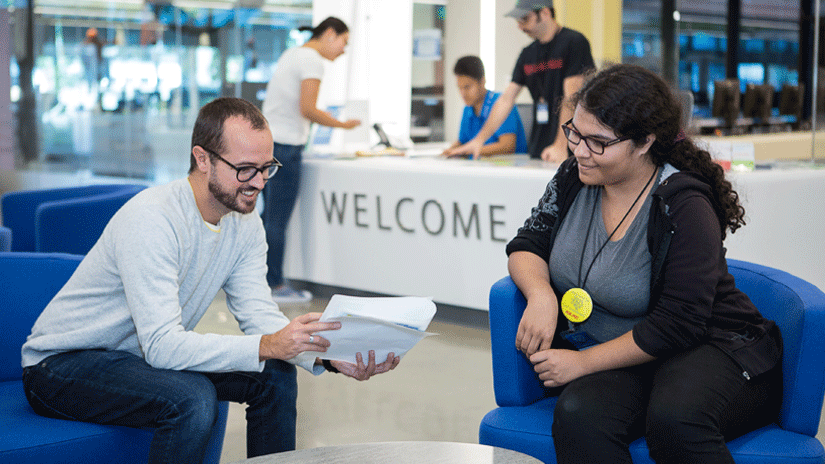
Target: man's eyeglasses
x=246 y=173
x=595 y=146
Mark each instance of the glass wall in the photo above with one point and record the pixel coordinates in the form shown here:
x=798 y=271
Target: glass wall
x=106 y=73
x=427 y=106
x=768 y=53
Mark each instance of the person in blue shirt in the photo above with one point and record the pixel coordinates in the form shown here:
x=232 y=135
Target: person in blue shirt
x=509 y=138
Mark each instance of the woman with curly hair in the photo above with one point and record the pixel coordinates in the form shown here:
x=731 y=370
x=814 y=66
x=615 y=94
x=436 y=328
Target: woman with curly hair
x=632 y=316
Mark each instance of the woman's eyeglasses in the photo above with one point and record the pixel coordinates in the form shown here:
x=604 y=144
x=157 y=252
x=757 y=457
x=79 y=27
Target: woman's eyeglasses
x=595 y=146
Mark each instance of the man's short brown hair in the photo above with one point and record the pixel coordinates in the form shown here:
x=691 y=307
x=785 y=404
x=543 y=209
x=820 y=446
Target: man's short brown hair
x=208 y=131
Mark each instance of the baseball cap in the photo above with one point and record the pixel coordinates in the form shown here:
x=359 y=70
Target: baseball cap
x=523 y=7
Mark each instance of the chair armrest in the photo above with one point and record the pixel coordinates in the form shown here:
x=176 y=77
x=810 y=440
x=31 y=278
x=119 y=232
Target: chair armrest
x=19 y=208
x=18 y=214
x=798 y=308
x=5 y=239
x=74 y=225
x=514 y=381
x=30 y=281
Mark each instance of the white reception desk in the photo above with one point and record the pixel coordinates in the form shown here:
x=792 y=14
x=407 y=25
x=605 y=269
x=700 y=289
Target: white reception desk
x=427 y=226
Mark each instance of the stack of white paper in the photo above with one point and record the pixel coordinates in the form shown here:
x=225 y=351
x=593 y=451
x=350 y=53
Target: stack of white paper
x=385 y=325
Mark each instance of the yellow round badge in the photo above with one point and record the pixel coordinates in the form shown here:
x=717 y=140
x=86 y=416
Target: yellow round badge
x=576 y=305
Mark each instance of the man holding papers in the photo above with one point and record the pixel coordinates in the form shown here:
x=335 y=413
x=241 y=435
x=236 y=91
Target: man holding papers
x=384 y=325
x=116 y=346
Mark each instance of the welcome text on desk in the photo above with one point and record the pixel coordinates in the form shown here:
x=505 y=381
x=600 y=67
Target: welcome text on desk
x=433 y=216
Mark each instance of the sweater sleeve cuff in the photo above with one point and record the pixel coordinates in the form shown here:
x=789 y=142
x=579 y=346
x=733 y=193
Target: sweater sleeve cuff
x=255 y=353
x=329 y=367
x=307 y=362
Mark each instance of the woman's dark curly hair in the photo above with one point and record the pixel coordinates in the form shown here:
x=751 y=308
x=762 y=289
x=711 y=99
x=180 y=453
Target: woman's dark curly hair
x=636 y=102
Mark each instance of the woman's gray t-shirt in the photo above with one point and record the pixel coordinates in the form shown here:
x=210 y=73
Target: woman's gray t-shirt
x=619 y=280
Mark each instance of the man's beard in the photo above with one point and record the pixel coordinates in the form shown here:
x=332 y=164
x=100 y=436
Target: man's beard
x=232 y=200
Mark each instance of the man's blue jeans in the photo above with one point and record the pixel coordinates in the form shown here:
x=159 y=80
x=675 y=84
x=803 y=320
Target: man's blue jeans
x=119 y=388
x=280 y=195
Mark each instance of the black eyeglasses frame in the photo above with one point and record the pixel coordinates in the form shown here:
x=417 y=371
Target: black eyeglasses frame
x=567 y=129
x=263 y=170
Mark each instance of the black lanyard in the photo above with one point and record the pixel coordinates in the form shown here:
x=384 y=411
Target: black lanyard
x=587 y=236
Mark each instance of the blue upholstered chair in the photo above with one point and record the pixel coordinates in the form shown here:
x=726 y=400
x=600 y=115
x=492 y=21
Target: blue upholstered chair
x=62 y=220
x=5 y=239
x=29 y=281
x=523 y=420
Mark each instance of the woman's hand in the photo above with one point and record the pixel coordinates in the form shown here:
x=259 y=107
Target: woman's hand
x=537 y=326
x=350 y=123
x=538 y=323
x=558 y=367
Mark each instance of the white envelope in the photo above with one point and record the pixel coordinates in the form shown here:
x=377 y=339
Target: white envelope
x=384 y=324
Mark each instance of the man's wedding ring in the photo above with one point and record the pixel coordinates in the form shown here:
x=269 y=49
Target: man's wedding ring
x=312 y=339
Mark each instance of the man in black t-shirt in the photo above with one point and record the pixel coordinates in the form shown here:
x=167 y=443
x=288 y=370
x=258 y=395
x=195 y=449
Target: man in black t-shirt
x=552 y=68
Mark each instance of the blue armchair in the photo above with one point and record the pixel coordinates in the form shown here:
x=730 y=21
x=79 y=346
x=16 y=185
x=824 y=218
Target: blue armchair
x=523 y=420
x=62 y=220
x=30 y=280
x=5 y=239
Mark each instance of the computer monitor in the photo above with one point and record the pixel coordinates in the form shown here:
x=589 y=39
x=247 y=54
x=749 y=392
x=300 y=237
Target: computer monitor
x=750 y=73
x=758 y=101
x=704 y=42
x=726 y=100
x=790 y=100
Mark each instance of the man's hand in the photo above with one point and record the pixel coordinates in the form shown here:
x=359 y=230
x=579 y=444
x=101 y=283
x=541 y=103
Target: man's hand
x=455 y=153
x=558 y=367
x=447 y=151
x=554 y=153
x=360 y=371
x=296 y=338
x=472 y=148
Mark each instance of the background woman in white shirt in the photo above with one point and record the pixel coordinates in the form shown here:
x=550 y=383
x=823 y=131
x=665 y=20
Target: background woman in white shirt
x=290 y=107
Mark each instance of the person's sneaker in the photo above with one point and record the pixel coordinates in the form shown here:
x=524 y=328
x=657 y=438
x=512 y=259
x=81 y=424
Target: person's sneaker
x=286 y=294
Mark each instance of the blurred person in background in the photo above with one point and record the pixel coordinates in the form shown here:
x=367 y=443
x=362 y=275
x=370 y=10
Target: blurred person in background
x=552 y=68
x=93 y=63
x=509 y=137
x=290 y=106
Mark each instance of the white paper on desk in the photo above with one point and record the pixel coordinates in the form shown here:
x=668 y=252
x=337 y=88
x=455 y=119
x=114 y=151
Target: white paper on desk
x=385 y=325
